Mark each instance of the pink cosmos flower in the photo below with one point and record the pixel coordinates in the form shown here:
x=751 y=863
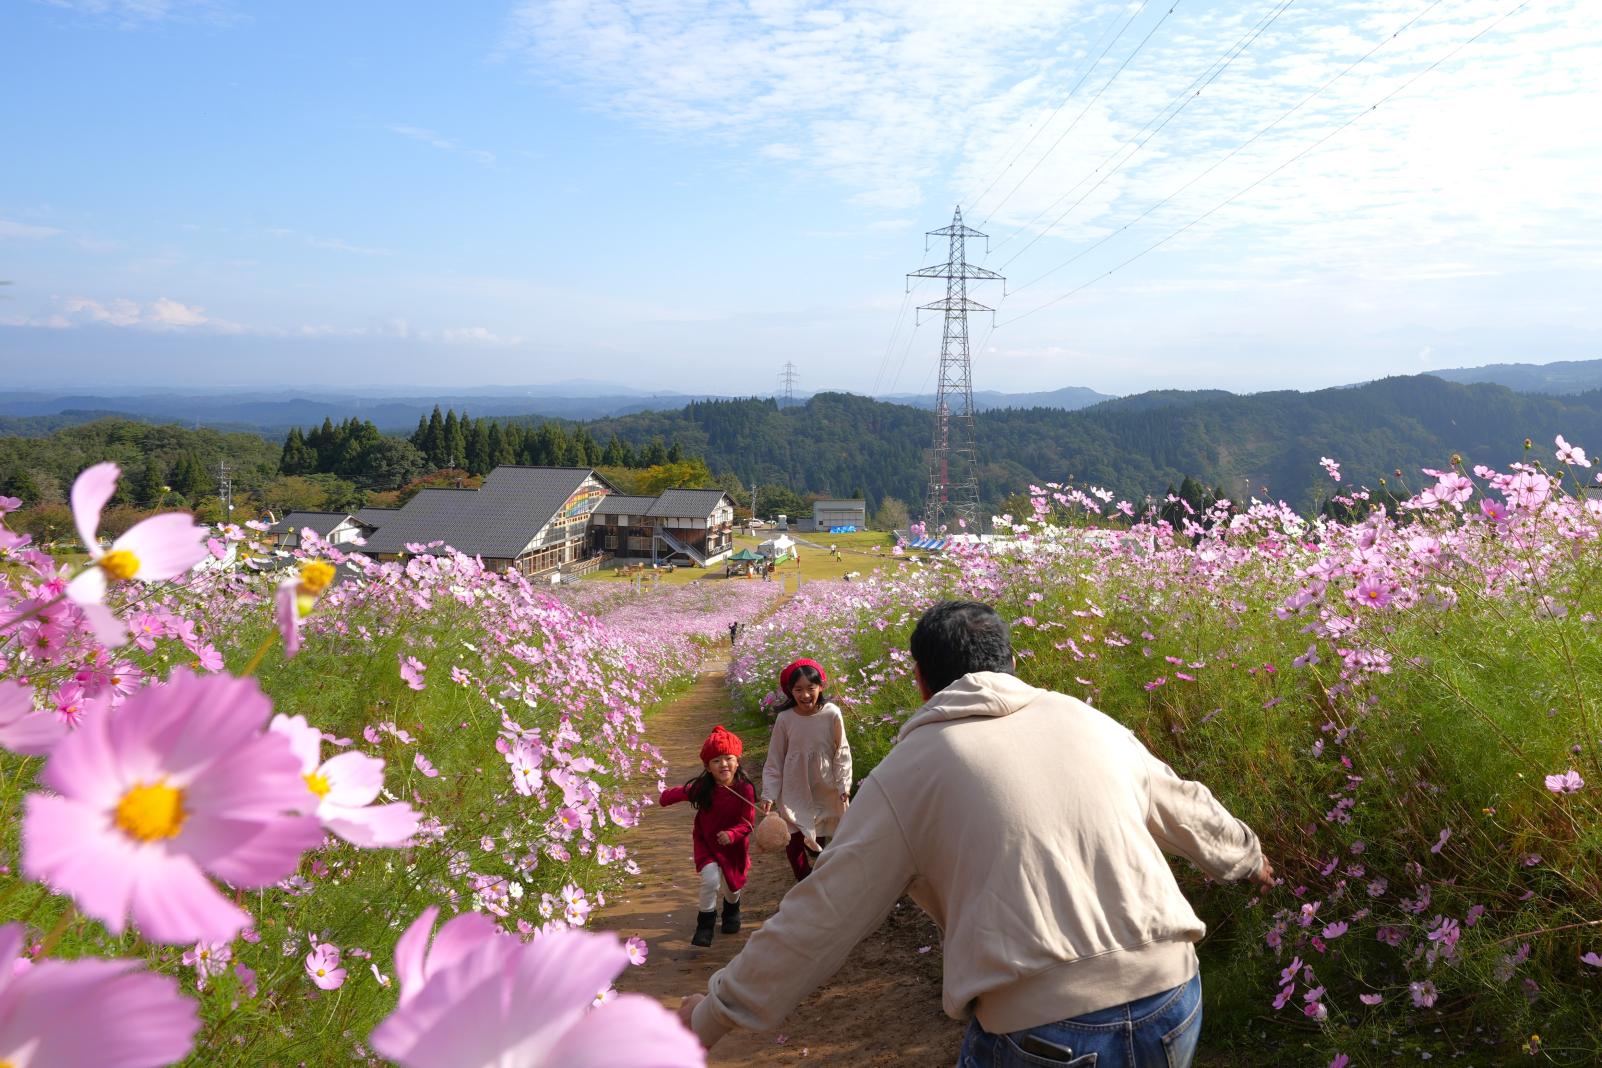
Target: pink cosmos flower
x=1592 y=959
x=208 y=959
x=178 y=781
x=246 y=978
x=345 y=786
x=22 y=729
x=1568 y=782
x=1424 y=994
x=322 y=967
x=638 y=951
x=154 y=549
x=1373 y=591
x=89 y=1013
x=411 y=672
x=1371 y=999
x=1571 y=454
x=476 y=998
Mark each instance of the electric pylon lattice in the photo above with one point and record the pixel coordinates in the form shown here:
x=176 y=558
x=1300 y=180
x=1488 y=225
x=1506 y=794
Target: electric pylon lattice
x=954 y=460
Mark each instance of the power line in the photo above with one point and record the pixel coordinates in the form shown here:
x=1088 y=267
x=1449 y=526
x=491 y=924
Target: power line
x=1183 y=100
x=895 y=331
x=1058 y=109
x=1236 y=196
x=1085 y=110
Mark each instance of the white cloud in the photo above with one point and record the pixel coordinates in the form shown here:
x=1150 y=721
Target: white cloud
x=1485 y=163
x=476 y=335
x=334 y=244
x=133 y=14
x=444 y=144
x=161 y=314
x=10 y=230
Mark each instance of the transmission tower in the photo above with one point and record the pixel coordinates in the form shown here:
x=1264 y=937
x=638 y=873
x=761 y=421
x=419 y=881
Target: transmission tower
x=954 y=460
x=225 y=489
x=787 y=379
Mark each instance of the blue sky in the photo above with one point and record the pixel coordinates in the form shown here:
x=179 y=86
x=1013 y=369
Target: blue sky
x=687 y=195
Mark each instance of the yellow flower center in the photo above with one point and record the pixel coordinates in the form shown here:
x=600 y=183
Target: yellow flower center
x=151 y=812
x=315 y=575
x=119 y=564
x=321 y=973
x=317 y=782
x=304 y=603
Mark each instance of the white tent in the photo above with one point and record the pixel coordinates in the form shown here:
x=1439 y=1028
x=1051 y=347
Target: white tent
x=777 y=547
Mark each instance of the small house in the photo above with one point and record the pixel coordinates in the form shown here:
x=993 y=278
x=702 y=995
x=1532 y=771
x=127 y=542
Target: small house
x=336 y=528
x=693 y=526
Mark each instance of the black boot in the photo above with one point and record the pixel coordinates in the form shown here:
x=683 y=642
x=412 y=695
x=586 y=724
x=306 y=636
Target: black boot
x=704 y=922
x=731 y=916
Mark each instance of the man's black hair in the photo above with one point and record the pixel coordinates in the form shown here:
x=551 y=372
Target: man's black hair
x=954 y=638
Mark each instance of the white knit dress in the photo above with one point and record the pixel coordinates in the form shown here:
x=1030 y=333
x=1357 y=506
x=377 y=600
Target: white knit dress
x=806 y=772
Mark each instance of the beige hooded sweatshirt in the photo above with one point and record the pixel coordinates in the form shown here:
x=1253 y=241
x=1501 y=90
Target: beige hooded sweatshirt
x=1031 y=827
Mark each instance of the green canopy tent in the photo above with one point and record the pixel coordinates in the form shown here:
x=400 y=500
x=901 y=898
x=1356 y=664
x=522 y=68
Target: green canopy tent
x=743 y=562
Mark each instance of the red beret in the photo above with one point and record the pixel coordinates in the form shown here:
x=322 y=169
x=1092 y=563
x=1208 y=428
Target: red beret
x=721 y=742
x=788 y=674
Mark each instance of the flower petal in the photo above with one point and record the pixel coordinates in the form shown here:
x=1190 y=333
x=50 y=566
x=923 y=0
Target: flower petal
x=374 y=827
x=632 y=1032
x=354 y=779
x=90 y=492
x=165 y=545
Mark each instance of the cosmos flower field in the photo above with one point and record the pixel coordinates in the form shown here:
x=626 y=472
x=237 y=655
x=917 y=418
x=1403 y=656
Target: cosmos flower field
x=1407 y=707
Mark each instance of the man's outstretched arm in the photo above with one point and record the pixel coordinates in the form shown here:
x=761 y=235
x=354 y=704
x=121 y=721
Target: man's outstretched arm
x=856 y=882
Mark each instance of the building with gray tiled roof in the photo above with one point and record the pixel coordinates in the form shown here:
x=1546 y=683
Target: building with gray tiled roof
x=529 y=519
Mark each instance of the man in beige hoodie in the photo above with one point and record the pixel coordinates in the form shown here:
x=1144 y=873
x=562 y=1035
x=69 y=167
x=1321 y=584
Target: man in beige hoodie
x=1032 y=829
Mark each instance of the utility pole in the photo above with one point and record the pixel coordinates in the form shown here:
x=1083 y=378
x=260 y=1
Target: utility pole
x=954 y=459
x=787 y=379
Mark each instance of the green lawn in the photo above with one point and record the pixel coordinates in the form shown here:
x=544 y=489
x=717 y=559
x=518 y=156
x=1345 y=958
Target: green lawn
x=856 y=554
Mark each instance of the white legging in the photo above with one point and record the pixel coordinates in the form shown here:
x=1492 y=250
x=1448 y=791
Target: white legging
x=712 y=882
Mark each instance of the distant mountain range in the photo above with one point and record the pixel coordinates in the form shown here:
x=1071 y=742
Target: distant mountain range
x=273 y=412
x=1565 y=376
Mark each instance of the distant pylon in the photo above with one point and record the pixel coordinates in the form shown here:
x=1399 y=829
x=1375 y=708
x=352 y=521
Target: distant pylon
x=954 y=460
x=787 y=379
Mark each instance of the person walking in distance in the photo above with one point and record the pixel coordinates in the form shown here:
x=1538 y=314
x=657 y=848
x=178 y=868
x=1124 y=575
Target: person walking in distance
x=1032 y=828
x=725 y=807
x=808 y=770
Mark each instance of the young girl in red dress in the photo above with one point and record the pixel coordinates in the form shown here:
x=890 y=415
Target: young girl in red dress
x=725 y=802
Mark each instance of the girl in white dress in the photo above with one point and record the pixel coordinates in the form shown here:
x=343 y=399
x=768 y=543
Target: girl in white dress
x=807 y=776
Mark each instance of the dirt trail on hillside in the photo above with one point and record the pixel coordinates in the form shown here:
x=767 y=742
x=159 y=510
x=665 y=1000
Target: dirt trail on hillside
x=882 y=1008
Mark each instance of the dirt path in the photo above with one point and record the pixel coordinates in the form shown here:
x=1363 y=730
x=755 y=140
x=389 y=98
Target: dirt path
x=882 y=1008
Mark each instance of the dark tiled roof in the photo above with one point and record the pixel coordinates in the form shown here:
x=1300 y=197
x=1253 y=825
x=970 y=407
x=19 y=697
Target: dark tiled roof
x=497 y=520
x=679 y=503
x=622 y=504
x=321 y=522
x=376 y=517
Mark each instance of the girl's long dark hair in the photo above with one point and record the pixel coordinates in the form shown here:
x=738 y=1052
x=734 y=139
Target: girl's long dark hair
x=810 y=674
x=700 y=789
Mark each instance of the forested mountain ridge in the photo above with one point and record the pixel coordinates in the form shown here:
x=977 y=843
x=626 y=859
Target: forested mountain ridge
x=1135 y=446
x=838 y=444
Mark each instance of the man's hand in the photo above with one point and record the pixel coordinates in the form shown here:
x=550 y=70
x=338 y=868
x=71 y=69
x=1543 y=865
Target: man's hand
x=724 y=838
x=687 y=1010
x=1263 y=878
x=845 y=799
x=766 y=806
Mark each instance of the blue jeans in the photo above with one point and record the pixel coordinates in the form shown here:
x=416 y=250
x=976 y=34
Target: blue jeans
x=1160 y=1031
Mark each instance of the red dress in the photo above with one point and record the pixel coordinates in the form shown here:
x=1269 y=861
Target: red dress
x=732 y=812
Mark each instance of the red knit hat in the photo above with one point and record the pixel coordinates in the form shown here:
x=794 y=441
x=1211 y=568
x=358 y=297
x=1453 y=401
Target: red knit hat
x=721 y=742
x=788 y=674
